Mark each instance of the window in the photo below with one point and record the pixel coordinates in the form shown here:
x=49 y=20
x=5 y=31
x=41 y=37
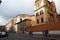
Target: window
x=20 y=19
x=41 y=12
x=37 y=21
x=42 y=20
x=38 y=4
x=51 y=14
x=37 y=14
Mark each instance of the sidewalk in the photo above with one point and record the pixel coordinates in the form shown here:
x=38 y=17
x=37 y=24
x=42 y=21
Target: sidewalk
x=52 y=37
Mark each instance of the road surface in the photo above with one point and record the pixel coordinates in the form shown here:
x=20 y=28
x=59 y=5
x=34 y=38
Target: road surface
x=13 y=36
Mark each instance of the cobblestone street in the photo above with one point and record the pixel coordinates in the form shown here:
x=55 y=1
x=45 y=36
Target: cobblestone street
x=18 y=37
x=13 y=36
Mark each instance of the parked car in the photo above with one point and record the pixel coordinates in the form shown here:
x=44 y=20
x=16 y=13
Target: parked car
x=3 y=34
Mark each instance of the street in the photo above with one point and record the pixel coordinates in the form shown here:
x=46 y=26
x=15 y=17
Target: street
x=13 y=36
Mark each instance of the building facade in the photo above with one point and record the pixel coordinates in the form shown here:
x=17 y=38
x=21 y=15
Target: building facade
x=21 y=18
x=45 y=11
x=18 y=19
x=14 y=24
x=9 y=26
x=53 y=28
x=21 y=26
x=33 y=19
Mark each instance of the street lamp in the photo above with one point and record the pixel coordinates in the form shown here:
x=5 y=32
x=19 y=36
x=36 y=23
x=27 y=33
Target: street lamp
x=0 y=1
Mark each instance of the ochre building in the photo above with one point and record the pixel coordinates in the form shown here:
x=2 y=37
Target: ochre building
x=45 y=11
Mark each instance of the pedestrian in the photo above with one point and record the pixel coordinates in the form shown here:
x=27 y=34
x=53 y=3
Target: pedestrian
x=46 y=33
x=43 y=32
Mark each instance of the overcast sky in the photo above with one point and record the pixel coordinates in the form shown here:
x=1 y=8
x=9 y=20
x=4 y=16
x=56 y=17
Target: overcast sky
x=10 y=8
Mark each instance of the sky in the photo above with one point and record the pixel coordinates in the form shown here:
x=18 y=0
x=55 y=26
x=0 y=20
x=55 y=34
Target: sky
x=9 y=9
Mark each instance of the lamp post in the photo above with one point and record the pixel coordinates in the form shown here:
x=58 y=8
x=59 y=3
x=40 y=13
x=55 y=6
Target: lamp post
x=0 y=1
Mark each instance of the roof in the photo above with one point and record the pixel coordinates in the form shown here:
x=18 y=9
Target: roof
x=32 y=15
x=23 y=15
x=23 y=21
